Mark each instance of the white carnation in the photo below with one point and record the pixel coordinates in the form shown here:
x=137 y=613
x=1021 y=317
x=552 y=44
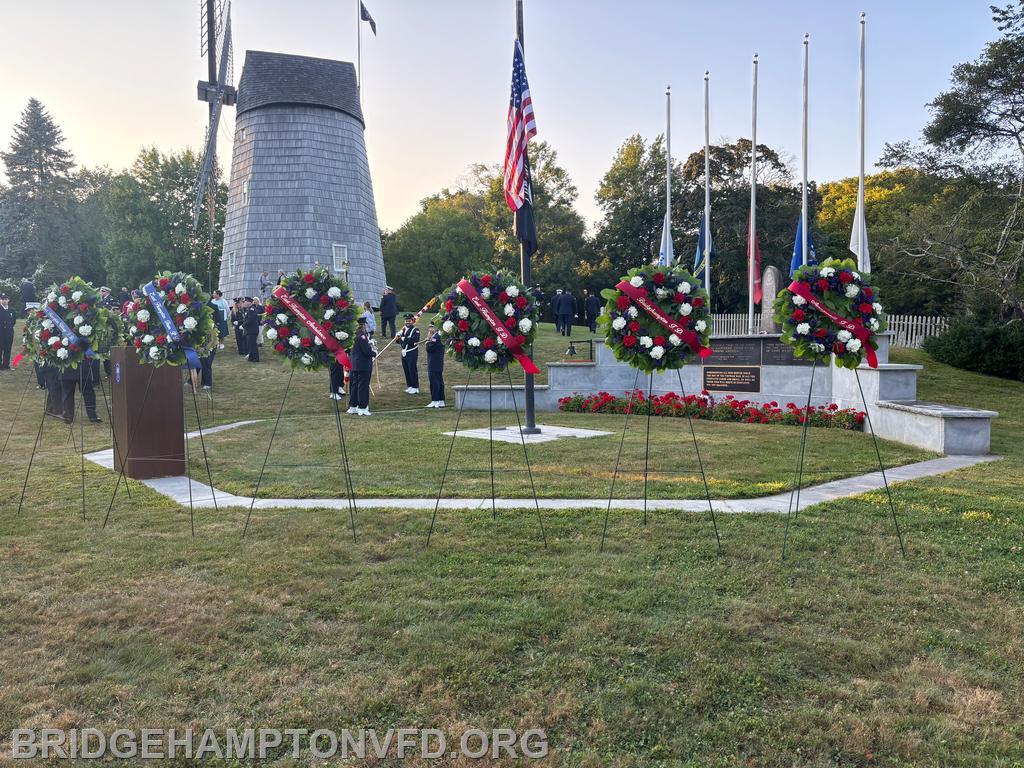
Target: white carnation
x=182 y=309
x=619 y=323
x=685 y=310
x=473 y=341
x=636 y=282
x=463 y=312
x=853 y=345
x=76 y=296
x=155 y=353
x=700 y=325
x=143 y=315
x=852 y=291
x=803 y=329
x=856 y=275
x=512 y=291
x=685 y=287
x=147 y=339
x=282 y=319
x=85 y=330
x=799 y=300
x=340 y=335
x=844 y=336
x=270 y=332
x=329 y=314
x=62 y=301
x=316 y=340
x=873 y=324
x=51 y=297
x=180 y=288
x=525 y=325
x=657 y=353
x=827 y=272
x=307 y=360
x=661 y=293
x=54 y=341
x=48 y=324
x=447 y=326
x=877 y=308
x=674 y=340
x=334 y=292
x=133 y=330
x=632 y=312
x=490 y=356
x=310 y=293
x=509 y=310
x=646 y=341
x=78 y=320
x=190 y=323
x=64 y=341
x=486 y=293
x=63 y=353
x=295 y=341
x=818 y=347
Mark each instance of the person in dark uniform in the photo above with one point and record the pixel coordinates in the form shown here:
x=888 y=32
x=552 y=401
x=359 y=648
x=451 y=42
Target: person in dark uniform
x=84 y=376
x=567 y=310
x=435 y=367
x=556 y=309
x=388 y=311
x=6 y=332
x=237 y=315
x=337 y=384
x=409 y=341
x=362 y=354
x=251 y=326
x=51 y=383
x=28 y=294
x=591 y=308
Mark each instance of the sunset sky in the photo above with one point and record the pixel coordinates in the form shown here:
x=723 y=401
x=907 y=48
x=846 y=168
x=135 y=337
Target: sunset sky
x=118 y=75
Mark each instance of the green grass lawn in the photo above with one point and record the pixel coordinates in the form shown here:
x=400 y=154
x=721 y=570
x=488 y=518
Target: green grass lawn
x=658 y=652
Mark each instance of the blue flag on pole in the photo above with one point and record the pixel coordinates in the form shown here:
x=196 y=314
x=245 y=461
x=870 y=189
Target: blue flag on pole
x=703 y=254
x=798 y=249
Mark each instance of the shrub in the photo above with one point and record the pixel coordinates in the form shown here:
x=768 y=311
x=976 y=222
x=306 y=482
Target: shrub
x=993 y=348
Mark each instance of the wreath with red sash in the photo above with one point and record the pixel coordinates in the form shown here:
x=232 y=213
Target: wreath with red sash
x=657 y=318
x=70 y=326
x=172 y=321
x=489 y=319
x=311 y=319
x=830 y=309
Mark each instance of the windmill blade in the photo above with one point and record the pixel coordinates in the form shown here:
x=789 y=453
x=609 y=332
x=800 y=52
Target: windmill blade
x=225 y=49
x=209 y=157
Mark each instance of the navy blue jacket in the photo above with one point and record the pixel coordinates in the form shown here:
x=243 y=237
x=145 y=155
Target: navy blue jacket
x=362 y=353
x=435 y=354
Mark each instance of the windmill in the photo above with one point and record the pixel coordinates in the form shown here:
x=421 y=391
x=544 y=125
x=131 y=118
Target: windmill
x=215 y=26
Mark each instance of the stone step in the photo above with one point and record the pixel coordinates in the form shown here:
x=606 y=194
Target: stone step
x=950 y=429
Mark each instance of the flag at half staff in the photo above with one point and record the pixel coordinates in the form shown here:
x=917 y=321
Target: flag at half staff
x=798 y=249
x=522 y=126
x=665 y=254
x=703 y=254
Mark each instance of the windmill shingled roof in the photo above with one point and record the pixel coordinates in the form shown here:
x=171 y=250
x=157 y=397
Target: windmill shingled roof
x=282 y=78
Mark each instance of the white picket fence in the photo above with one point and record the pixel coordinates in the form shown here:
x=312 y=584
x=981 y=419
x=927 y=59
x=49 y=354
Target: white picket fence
x=907 y=330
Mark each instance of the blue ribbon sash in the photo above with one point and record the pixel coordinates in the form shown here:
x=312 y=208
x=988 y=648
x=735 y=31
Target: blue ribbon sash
x=160 y=307
x=65 y=330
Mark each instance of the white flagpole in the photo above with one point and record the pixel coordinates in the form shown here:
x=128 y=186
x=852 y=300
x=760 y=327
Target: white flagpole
x=668 y=159
x=707 y=188
x=803 y=203
x=359 y=47
x=751 y=247
x=862 y=221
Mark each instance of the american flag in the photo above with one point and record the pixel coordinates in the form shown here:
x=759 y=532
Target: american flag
x=521 y=128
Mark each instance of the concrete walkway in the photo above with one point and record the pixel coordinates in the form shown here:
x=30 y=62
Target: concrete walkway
x=177 y=489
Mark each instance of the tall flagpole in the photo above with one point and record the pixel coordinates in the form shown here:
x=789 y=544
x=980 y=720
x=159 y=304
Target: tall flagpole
x=862 y=223
x=803 y=148
x=707 y=188
x=668 y=159
x=752 y=234
x=526 y=272
x=359 y=47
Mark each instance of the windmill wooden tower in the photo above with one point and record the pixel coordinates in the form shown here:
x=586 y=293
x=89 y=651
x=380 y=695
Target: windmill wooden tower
x=300 y=191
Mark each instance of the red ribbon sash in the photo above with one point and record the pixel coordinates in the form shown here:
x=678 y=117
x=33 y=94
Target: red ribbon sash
x=480 y=305
x=639 y=295
x=281 y=294
x=856 y=327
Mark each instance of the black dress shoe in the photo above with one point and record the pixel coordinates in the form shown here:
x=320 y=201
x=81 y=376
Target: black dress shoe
x=95 y=419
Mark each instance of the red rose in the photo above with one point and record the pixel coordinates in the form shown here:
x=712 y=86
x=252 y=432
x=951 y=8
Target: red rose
x=171 y=296
x=463 y=325
x=138 y=343
x=623 y=302
x=308 y=278
x=659 y=340
x=448 y=305
x=325 y=299
x=510 y=323
x=502 y=297
x=845 y=277
x=659 y=278
x=341 y=304
x=697 y=302
x=521 y=302
x=629 y=341
x=868 y=293
x=866 y=308
x=44 y=335
x=179 y=319
x=83 y=307
x=64 y=288
x=679 y=298
x=488 y=342
x=307 y=342
x=164 y=282
x=284 y=332
x=798 y=315
x=459 y=346
x=634 y=326
x=40 y=314
x=838 y=348
x=73 y=347
x=185 y=298
x=485 y=281
x=518 y=340
x=821 y=333
x=279 y=347
x=161 y=339
x=142 y=326
x=328 y=325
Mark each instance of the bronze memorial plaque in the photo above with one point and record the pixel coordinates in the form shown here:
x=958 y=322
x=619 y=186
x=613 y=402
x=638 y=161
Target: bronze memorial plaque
x=738 y=351
x=775 y=352
x=732 y=378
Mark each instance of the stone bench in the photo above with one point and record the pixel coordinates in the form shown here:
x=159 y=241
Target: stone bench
x=948 y=429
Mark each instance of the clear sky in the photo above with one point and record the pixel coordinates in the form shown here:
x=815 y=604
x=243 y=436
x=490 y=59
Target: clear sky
x=120 y=74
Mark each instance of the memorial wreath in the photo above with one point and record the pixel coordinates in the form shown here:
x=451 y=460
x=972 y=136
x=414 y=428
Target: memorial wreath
x=70 y=325
x=831 y=309
x=311 y=319
x=487 y=321
x=657 y=318
x=172 y=322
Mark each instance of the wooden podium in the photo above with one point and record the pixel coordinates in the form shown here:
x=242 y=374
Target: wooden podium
x=149 y=429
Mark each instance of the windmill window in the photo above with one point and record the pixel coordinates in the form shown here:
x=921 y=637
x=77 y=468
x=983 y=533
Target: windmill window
x=231 y=264
x=339 y=257
x=241 y=133
x=245 y=193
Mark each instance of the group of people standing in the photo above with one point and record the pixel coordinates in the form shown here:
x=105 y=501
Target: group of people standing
x=565 y=309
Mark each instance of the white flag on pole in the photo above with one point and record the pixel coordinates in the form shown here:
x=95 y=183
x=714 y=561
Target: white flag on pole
x=859 y=237
x=665 y=254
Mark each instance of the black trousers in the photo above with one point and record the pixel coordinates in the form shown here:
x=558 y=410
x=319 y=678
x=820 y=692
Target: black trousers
x=252 y=346
x=592 y=323
x=240 y=341
x=410 y=369
x=206 y=369
x=359 y=389
x=54 y=393
x=385 y=323
x=337 y=378
x=68 y=387
x=436 y=379
x=566 y=325
x=6 y=342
